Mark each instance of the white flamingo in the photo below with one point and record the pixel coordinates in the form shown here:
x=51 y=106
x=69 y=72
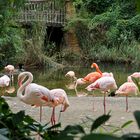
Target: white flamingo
x=75 y=83
x=4 y=82
x=10 y=69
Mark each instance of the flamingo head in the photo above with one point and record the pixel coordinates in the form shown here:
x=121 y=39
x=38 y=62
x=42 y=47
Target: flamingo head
x=80 y=81
x=129 y=79
x=21 y=78
x=6 y=68
x=70 y=74
x=65 y=106
x=19 y=81
x=94 y=65
x=9 y=68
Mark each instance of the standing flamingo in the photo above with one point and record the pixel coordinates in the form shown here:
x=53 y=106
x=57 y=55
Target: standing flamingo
x=4 y=82
x=60 y=97
x=40 y=96
x=103 y=84
x=10 y=69
x=126 y=89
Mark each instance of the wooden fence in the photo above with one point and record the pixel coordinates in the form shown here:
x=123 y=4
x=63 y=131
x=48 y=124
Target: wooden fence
x=42 y=11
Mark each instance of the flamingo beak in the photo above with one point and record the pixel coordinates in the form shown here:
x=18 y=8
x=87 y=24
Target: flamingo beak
x=19 y=82
x=64 y=108
x=66 y=75
x=92 y=66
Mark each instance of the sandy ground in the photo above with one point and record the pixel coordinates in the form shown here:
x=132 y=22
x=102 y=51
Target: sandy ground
x=82 y=107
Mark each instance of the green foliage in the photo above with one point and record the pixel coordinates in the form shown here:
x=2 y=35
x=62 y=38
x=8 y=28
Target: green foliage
x=10 y=32
x=69 y=57
x=138 y=5
x=50 y=49
x=17 y=126
x=128 y=8
x=100 y=137
x=93 y=6
x=99 y=121
x=136 y=81
x=107 y=30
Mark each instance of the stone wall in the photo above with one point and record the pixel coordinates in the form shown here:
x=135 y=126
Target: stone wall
x=70 y=36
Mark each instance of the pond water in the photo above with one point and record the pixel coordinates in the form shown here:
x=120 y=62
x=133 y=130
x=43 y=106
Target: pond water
x=55 y=78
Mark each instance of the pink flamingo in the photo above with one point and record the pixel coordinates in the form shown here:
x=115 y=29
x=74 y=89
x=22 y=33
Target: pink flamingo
x=10 y=69
x=93 y=76
x=103 y=84
x=126 y=89
x=135 y=75
x=60 y=97
x=40 y=96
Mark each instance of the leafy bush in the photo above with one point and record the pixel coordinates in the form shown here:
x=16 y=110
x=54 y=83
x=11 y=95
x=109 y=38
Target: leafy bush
x=18 y=126
x=10 y=31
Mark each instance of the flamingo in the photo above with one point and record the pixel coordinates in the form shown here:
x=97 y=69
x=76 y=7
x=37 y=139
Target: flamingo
x=93 y=76
x=38 y=95
x=10 y=69
x=4 y=82
x=126 y=89
x=71 y=75
x=103 y=84
x=78 y=81
x=102 y=73
x=89 y=78
x=135 y=74
x=61 y=97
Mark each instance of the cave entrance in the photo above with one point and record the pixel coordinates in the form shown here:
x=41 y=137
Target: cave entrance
x=55 y=36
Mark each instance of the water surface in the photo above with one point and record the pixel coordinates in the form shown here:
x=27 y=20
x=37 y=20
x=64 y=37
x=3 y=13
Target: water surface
x=55 y=78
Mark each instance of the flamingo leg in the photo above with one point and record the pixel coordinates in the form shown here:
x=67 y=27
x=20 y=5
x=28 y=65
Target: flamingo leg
x=53 y=117
x=40 y=114
x=10 y=80
x=40 y=119
x=126 y=103
x=104 y=103
x=60 y=114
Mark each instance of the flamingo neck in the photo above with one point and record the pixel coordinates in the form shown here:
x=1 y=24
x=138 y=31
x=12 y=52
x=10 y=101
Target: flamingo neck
x=97 y=68
x=75 y=87
x=23 y=86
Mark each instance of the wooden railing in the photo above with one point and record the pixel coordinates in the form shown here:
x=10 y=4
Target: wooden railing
x=42 y=11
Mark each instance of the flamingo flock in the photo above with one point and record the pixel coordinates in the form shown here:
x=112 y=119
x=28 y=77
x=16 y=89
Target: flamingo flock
x=37 y=95
x=105 y=82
